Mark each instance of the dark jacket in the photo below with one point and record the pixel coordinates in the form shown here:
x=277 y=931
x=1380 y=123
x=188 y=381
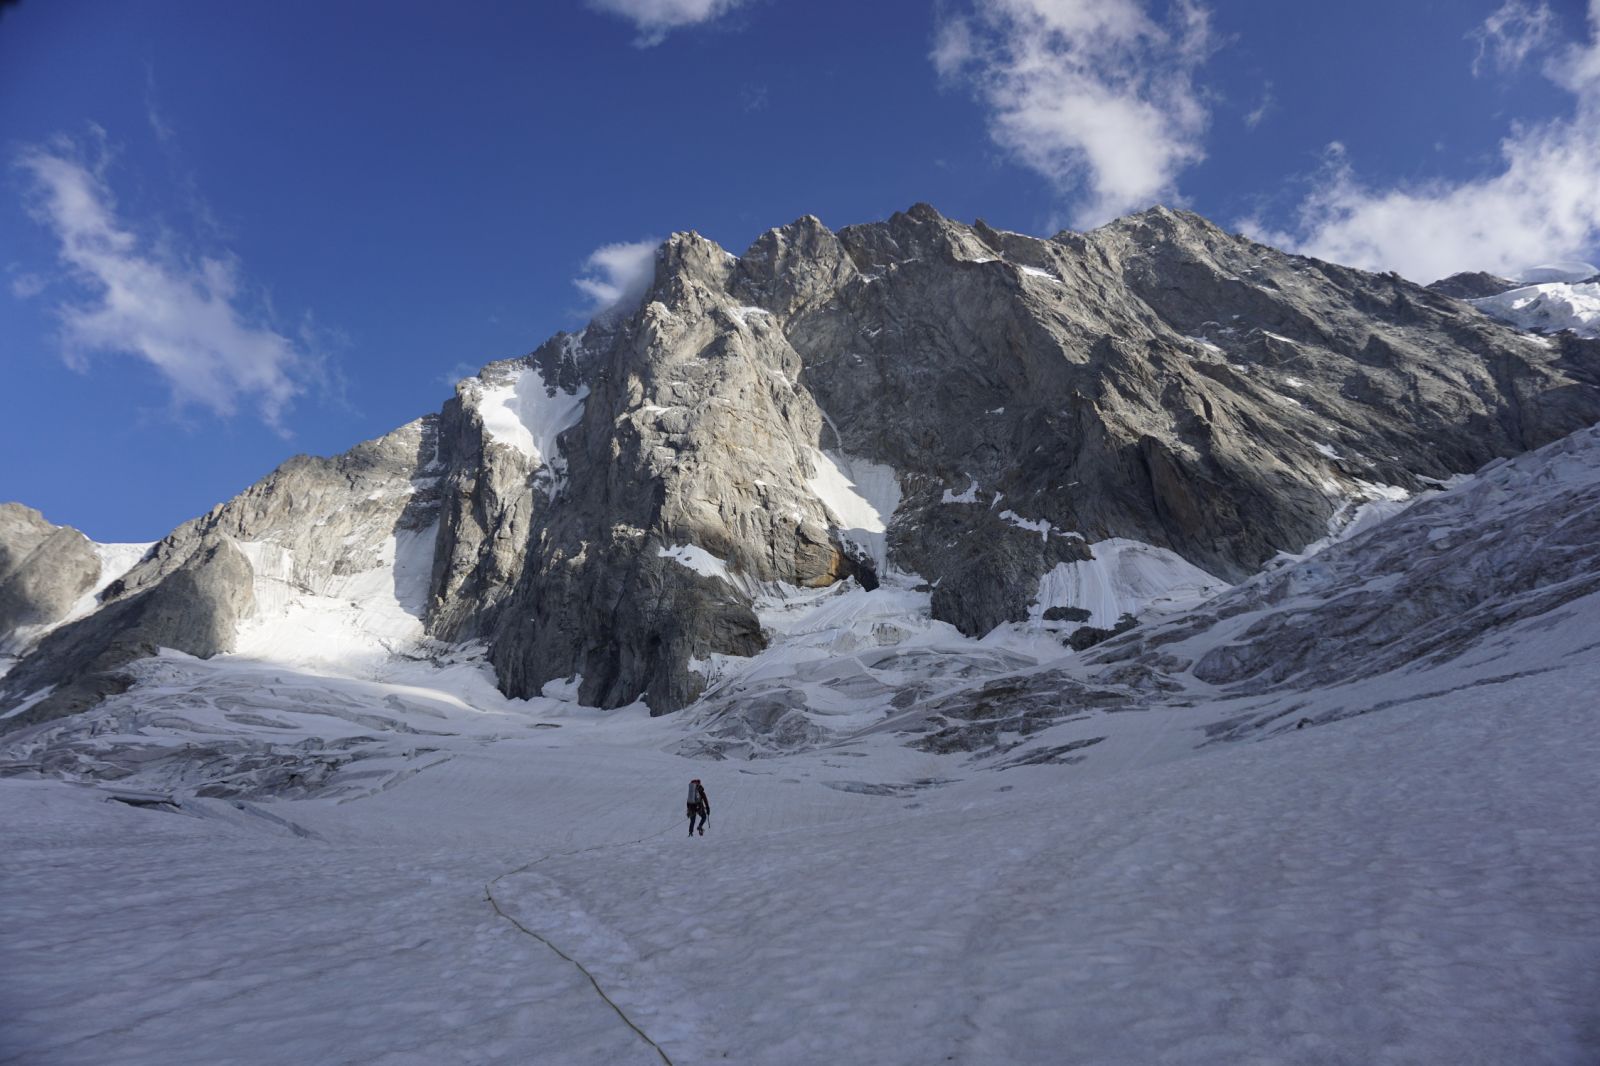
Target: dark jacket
x=698 y=804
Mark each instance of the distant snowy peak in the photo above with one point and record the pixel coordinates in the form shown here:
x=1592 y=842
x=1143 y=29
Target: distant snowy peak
x=1549 y=307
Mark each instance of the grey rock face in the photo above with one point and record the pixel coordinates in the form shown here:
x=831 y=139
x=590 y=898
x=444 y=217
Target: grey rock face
x=44 y=569
x=695 y=432
x=331 y=514
x=1473 y=285
x=1157 y=379
x=488 y=508
x=613 y=505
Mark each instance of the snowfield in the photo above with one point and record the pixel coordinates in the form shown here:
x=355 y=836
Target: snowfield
x=371 y=856
x=1410 y=887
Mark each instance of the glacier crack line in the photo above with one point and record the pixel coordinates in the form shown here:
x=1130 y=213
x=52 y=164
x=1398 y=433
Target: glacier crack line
x=488 y=895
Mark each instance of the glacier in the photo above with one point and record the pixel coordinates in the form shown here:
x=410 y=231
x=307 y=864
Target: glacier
x=1407 y=880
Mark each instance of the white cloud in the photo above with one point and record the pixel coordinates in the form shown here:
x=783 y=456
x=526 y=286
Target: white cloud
x=1512 y=33
x=1542 y=203
x=616 y=276
x=183 y=316
x=1095 y=95
x=654 y=19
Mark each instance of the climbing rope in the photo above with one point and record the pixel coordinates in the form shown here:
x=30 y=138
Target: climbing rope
x=488 y=895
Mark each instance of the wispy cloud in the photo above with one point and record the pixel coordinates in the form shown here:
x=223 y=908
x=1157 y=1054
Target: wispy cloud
x=616 y=276
x=1096 y=95
x=1511 y=34
x=654 y=19
x=459 y=372
x=1542 y=203
x=25 y=284
x=187 y=316
x=180 y=174
x=1253 y=118
x=753 y=97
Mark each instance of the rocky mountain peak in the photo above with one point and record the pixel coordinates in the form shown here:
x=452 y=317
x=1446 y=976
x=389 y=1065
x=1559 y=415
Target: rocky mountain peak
x=951 y=411
x=788 y=269
x=688 y=256
x=1472 y=285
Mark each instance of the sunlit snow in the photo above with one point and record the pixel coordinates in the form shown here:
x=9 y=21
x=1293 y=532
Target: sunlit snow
x=862 y=495
x=1548 y=308
x=351 y=623
x=527 y=415
x=697 y=559
x=1124 y=577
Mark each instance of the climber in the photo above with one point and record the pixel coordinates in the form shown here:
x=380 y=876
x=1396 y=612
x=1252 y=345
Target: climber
x=698 y=806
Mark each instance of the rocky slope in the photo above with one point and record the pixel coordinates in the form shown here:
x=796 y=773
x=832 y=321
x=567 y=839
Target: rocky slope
x=1495 y=580
x=954 y=412
x=1472 y=285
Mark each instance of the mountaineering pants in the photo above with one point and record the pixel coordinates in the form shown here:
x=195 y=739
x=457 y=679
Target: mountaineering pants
x=697 y=812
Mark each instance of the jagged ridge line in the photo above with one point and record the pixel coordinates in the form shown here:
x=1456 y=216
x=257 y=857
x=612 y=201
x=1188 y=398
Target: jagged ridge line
x=488 y=895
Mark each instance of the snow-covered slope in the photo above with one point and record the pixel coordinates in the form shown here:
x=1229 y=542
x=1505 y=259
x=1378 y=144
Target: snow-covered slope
x=1548 y=308
x=348 y=623
x=381 y=868
x=1407 y=886
x=1124 y=577
x=526 y=413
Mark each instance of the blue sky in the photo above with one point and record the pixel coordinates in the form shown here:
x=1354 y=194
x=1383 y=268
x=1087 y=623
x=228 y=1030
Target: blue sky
x=232 y=232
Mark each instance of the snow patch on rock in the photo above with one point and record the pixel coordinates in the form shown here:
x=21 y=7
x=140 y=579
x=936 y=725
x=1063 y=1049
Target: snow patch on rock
x=528 y=415
x=348 y=624
x=1037 y=525
x=969 y=495
x=697 y=559
x=862 y=496
x=1124 y=577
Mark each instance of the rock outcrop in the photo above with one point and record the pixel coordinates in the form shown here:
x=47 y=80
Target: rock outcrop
x=44 y=569
x=1473 y=285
